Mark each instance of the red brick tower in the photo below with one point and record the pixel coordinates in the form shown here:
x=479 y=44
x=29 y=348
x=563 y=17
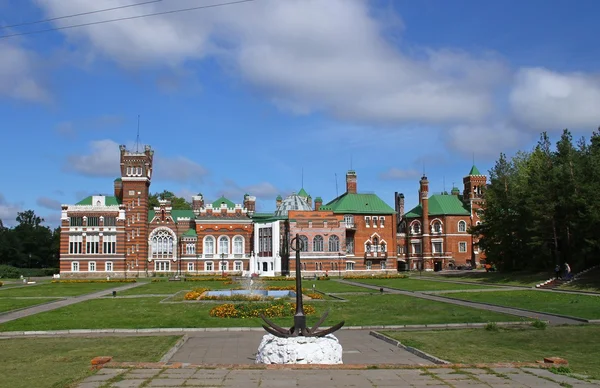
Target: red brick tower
x=425 y=229
x=351 y=182
x=474 y=184
x=136 y=174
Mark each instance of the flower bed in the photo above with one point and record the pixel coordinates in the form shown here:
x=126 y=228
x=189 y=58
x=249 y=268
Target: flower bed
x=276 y=309
x=207 y=279
x=239 y=297
x=313 y=295
x=374 y=276
x=195 y=294
x=94 y=281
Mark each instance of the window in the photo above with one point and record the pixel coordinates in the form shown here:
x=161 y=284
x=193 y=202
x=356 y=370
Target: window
x=437 y=227
x=375 y=244
x=75 y=244
x=415 y=228
x=462 y=226
x=92 y=266
x=374 y=222
x=437 y=247
x=162 y=244
x=92 y=244
x=382 y=247
x=93 y=221
x=223 y=266
x=416 y=247
x=75 y=266
x=318 y=244
x=190 y=248
x=400 y=249
x=208 y=266
x=190 y=267
x=462 y=246
x=110 y=221
x=367 y=221
x=334 y=243
x=304 y=243
x=349 y=266
x=349 y=220
x=265 y=242
x=238 y=245
x=162 y=265
x=108 y=266
x=369 y=264
x=238 y=265
x=109 y=244
x=350 y=245
x=224 y=245
x=76 y=221
x=383 y=265
x=381 y=222
x=209 y=245
x=368 y=247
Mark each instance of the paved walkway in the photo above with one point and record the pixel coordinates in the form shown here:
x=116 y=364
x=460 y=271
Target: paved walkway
x=11 y=316
x=500 y=377
x=553 y=319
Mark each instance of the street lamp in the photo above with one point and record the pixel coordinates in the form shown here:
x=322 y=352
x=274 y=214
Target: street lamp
x=221 y=264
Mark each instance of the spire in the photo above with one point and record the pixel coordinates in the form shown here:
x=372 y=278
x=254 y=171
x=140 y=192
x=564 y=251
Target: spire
x=474 y=171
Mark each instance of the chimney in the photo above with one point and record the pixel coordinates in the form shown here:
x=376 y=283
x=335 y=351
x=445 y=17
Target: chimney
x=197 y=202
x=399 y=200
x=318 y=203
x=278 y=201
x=309 y=200
x=351 y=182
x=119 y=188
x=250 y=203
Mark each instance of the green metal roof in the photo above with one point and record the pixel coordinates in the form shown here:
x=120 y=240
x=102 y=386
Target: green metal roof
x=474 y=171
x=455 y=191
x=228 y=203
x=439 y=205
x=118 y=180
x=318 y=199
x=303 y=193
x=358 y=204
x=266 y=217
x=109 y=200
x=190 y=233
x=176 y=214
x=279 y=198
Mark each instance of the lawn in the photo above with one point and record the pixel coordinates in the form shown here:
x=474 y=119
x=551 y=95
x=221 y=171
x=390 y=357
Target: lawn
x=582 y=306
x=527 y=279
x=367 y=309
x=8 y=304
x=580 y=345
x=58 y=362
x=420 y=285
x=328 y=286
x=170 y=288
x=59 y=289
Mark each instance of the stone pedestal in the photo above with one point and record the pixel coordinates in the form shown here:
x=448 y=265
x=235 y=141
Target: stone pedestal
x=299 y=350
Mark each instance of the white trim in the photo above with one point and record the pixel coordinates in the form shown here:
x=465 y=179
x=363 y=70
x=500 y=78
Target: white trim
x=458 y=226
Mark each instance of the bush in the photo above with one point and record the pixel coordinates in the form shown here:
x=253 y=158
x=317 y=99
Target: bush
x=10 y=272
x=539 y=324
x=1 y=284
x=492 y=326
x=38 y=272
x=206 y=279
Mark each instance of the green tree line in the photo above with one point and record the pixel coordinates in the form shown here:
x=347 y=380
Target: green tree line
x=542 y=207
x=29 y=244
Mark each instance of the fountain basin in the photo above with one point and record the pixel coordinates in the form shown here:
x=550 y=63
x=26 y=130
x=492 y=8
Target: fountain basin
x=264 y=293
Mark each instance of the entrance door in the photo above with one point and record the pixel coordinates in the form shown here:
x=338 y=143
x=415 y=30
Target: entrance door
x=265 y=266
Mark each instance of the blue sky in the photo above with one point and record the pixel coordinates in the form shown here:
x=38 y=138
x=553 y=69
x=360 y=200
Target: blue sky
x=243 y=98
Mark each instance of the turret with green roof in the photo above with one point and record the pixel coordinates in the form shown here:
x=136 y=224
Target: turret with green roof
x=474 y=171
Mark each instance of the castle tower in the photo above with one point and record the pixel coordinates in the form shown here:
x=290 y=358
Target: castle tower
x=136 y=174
x=425 y=229
x=399 y=204
x=474 y=183
x=351 y=182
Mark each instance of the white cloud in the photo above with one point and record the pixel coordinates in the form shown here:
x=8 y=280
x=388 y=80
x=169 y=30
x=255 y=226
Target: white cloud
x=262 y=190
x=546 y=100
x=399 y=174
x=485 y=140
x=72 y=127
x=48 y=203
x=178 y=169
x=305 y=55
x=101 y=161
x=20 y=76
x=8 y=211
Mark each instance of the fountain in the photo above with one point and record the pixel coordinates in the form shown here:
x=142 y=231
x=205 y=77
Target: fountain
x=299 y=344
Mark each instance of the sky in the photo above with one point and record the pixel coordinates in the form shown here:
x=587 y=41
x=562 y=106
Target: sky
x=266 y=96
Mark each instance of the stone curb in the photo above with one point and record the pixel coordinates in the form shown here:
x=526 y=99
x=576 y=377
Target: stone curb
x=410 y=349
x=174 y=349
x=240 y=329
x=520 y=309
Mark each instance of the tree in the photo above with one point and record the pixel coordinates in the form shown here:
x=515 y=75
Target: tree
x=177 y=203
x=28 y=217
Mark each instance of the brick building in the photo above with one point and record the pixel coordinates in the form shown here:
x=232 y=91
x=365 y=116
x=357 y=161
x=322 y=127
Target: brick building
x=435 y=233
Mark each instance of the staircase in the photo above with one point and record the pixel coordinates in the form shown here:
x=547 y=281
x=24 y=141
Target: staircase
x=553 y=283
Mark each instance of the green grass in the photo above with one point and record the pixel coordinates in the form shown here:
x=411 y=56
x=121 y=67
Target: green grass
x=526 y=279
x=580 y=345
x=367 y=309
x=329 y=286
x=59 y=289
x=8 y=304
x=582 y=306
x=58 y=362
x=166 y=287
x=420 y=285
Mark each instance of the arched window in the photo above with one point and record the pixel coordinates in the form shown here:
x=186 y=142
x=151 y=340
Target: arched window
x=437 y=227
x=209 y=245
x=318 y=244
x=368 y=248
x=334 y=243
x=382 y=246
x=238 y=245
x=462 y=226
x=304 y=243
x=415 y=228
x=162 y=244
x=224 y=245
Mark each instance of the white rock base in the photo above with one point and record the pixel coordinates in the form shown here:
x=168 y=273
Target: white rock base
x=299 y=350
